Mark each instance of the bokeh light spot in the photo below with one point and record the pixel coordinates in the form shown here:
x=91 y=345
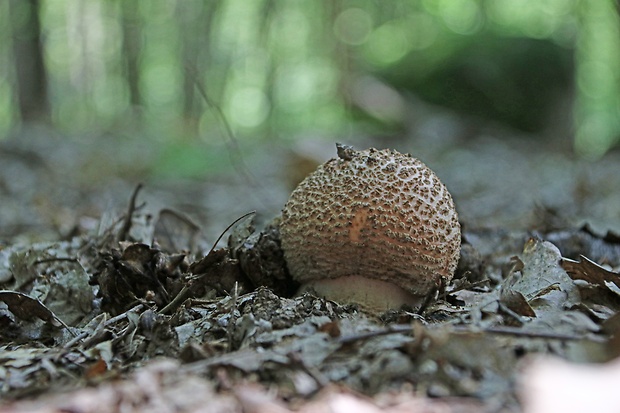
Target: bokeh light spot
x=353 y=26
x=248 y=107
x=387 y=44
x=461 y=16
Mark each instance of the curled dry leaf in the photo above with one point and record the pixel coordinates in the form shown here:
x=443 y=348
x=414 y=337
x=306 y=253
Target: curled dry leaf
x=135 y=272
x=26 y=307
x=260 y=256
x=175 y=232
x=543 y=282
x=589 y=271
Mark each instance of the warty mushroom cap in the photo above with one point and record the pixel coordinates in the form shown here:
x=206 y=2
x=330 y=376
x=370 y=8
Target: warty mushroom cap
x=375 y=227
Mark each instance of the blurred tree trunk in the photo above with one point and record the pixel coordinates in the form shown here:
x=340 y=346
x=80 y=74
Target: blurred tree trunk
x=196 y=23
x=597 y=57
x=132 y=48
x=28 y=60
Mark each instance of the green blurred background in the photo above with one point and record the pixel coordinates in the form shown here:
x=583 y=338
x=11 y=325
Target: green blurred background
x=181 y=72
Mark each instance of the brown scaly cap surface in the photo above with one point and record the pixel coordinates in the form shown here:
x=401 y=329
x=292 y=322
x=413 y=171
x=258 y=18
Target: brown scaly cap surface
x=375 y=214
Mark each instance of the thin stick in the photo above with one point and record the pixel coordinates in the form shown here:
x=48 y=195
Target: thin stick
x=502 y=330
x=111 y=321
x=185 y=291
x=124 y=231
x=229 y=227
x=232 y=320
x=231 y=142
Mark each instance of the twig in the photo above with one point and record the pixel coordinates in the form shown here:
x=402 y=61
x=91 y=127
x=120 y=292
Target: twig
x=514 y=331
x=464 y=286
x=55 y=259
x=228 y=228
x=232 y=320
x=106 y=324
x=177 y=300
x=503 y=330
x=185 y=291
x=124 y=231
x=231 y=142
x=395 y=329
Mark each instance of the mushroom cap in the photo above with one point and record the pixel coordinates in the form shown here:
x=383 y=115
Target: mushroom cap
x=375 y=214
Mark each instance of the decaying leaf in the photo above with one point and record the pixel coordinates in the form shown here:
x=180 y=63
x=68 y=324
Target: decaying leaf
x=542 y=270
x=175 y=232
x=516 y=302
x=137 y=272
x=599 y=287
x=260 y=256
x=589 y=271
x=217 y=273
x=27 y=308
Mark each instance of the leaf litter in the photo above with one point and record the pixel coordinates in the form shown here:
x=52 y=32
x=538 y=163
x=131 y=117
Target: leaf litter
x=141 y=316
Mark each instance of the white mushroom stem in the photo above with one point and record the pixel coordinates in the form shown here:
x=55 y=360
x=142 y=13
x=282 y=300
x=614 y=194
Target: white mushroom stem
x=370 y=293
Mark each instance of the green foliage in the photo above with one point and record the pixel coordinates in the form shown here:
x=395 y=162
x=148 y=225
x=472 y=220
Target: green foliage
x=279 y=69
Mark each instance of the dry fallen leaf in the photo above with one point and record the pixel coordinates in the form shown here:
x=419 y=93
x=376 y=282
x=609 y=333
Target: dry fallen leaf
x=589 y=271
x=544 y=283
x=26 y=307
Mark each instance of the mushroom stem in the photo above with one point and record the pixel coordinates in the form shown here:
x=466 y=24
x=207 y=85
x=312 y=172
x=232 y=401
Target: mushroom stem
x=369 y=293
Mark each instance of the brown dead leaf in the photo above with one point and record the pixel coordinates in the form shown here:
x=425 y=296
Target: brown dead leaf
x=261 y=257
x=544 y=283
x=589 y=271
x=26 y=308
x=218 y=272
x=611 y=325
x=515 y=301
x=96 y=369
x=332 y=328
x=175 y=232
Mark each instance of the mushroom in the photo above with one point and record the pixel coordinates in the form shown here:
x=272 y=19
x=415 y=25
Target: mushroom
x=373 y=227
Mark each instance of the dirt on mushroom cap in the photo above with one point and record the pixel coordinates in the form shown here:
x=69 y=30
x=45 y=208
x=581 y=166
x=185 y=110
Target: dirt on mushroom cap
x=377 y=214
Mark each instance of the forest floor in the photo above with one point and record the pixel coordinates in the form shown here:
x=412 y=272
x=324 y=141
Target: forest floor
x=96 y=317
